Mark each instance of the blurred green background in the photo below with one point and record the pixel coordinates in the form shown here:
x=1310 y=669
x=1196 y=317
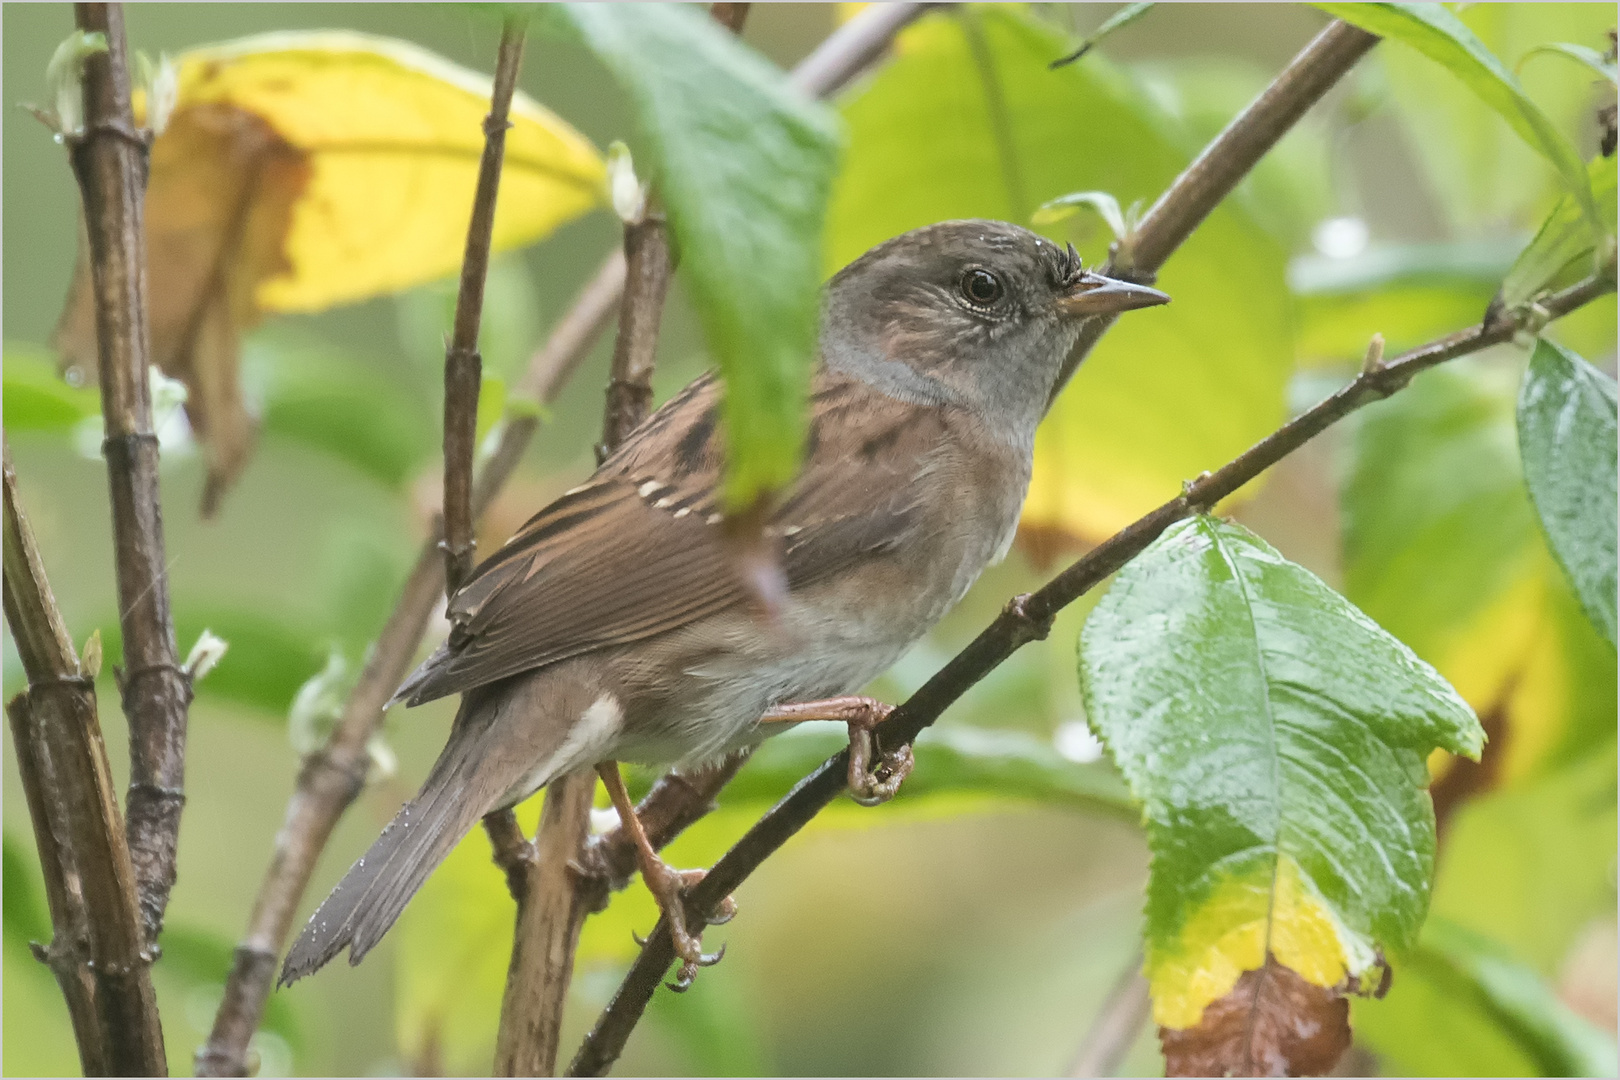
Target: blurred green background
x=966 y=932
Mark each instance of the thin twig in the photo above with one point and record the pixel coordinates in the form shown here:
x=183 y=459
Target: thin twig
x=1223 y=164
x=110 y=164
x=551 y=907
x=463 y=367
x=1117 y=1024
x=98 y=950
x=334 y=774
x=544 y=877
x=1025 y=618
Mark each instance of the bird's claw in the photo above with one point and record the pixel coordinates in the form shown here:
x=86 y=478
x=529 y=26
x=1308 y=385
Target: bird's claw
x=669 y=887
x=869 y=786
x=689 y=969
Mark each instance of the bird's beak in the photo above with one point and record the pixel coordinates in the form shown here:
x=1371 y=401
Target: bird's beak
x=1094 y=294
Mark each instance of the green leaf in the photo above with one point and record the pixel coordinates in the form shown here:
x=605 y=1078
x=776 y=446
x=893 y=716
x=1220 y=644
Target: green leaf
x=1601 y=65
x=1438 y=34
x=1460 y=1006
x=743 y=163
x=1064 y=207
x=952 y=758
x=1276 y=737
x=1435 y=518
x=1442 y=548
x=1165 y=395
x=1126 y=15
x=1567 y=440
x=37 y=398
x=1564 y=248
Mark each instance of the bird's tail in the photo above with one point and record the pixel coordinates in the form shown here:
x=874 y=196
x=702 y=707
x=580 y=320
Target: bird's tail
x=459 y=790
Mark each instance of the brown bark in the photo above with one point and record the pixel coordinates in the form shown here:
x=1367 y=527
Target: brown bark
x=109 y=161
x=99 y=952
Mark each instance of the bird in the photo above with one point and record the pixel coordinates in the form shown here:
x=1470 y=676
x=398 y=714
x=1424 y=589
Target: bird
x=616 y=624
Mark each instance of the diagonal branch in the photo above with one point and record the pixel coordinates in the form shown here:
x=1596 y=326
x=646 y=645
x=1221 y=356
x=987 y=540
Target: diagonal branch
x=463 y=367
x=552 y=893
x=1223 y=164
x=1027 y=618
x=333 y=776
x=110 y=164
x=544 y=875
x=98 y=950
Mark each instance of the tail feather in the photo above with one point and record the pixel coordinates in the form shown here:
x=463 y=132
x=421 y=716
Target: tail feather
x=500 y=734
x=375 y=890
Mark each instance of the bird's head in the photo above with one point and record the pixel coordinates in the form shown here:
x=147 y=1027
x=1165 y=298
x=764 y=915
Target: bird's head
x=979 y=314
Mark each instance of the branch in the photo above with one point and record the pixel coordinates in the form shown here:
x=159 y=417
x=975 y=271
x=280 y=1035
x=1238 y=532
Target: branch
x=463 y=367
x=110 y=164
x=332 y=777
x=1223 y=164
x=544 y=875
x=1025 y=618
x=1117 y=1023
x=98 y=949
x=546 y=881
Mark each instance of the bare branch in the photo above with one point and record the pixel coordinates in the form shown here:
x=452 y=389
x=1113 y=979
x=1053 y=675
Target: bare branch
x=110 y=164
x=551 y=908
x=463 y=367
x=1117 y=1024
x=98 y=950
x=1223 y=164
x=1025 y=618
x=332 y=777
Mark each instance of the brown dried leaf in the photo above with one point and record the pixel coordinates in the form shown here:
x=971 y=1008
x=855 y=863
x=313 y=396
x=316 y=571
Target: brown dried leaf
x=1272 y=1023
x=218 y=204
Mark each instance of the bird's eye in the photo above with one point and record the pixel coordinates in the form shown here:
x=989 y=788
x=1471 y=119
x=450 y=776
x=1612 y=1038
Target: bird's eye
x=981 y=287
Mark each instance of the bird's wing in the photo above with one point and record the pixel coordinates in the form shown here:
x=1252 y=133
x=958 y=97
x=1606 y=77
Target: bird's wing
x=639 y=550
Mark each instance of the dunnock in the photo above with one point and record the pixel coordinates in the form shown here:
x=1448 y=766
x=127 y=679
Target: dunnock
x=616 y=626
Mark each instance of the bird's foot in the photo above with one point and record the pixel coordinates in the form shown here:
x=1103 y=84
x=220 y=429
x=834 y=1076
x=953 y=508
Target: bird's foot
x=867 y=785
x=871 y=786
x=669 y=887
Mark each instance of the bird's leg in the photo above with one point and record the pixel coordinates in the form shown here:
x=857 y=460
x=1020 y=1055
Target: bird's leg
x=867 y=786
x=667 y=884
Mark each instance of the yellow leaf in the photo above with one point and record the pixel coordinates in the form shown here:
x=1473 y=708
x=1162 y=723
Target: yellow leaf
x=393 y=134
x=1232 y=932
x=304 y=170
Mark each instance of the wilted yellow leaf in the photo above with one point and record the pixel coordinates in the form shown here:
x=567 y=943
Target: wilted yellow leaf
x=304 y=170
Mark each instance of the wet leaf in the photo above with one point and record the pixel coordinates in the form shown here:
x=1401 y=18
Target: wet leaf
x=1235 y=690
x=1564 y=248
x=1600 y=65
x=1442 y=548
x=743 y=162
x=1481 y=172
x=1272 y=1023
x=1166 y=394
x=304 y=170
x=1438 y=34
x=1567 y=441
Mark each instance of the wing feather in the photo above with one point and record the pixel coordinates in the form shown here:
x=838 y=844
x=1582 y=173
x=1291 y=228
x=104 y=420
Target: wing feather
x=636 y=551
